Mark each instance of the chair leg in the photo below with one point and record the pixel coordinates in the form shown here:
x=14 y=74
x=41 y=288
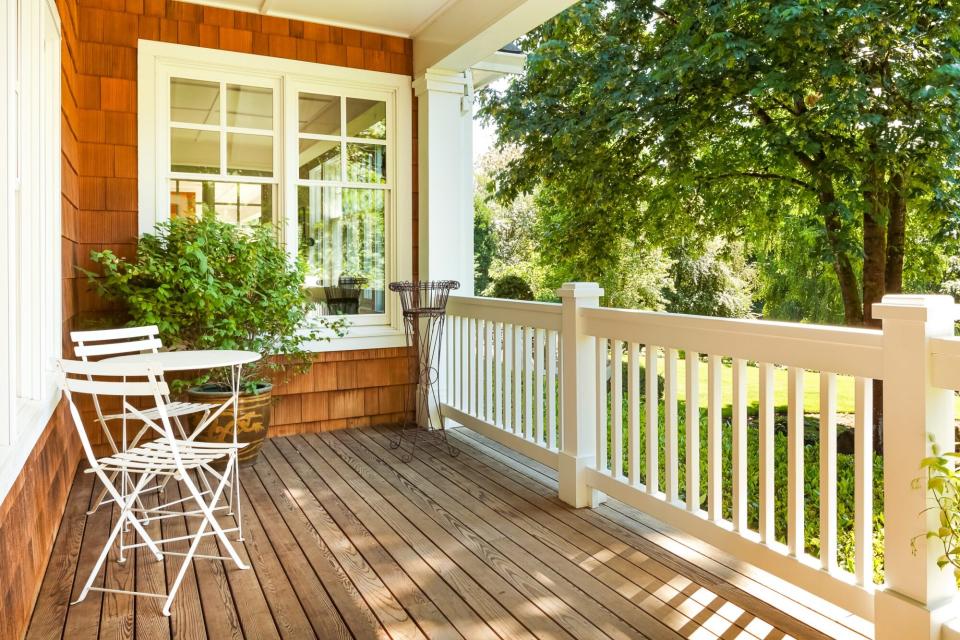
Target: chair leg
x=125 y=514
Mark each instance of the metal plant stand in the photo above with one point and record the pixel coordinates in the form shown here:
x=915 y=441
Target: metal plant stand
x=424 y=312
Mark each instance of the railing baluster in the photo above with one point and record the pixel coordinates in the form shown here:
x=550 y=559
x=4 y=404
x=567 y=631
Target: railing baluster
x=692 y=410
x=507 y=376
x=465 y=364
x=653 y=426
x=527 y=383
x=739 y=444
x=477 y=389
x=470 y=356
x=671 y=426
x=766 y=497
x=601 y=371
x=497 y=380
x=714 y=433
x=552 y=389
x=518 y=367
x=616 y=408
x=828 y=471
x=795 y=540
x=633 y=413
x=538 y=390
x=863 y=488
x=489 y=343
x=449 y=396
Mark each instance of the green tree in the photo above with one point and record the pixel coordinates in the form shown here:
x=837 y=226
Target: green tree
x=484 y=243
x=713 y=280
x=652 y=118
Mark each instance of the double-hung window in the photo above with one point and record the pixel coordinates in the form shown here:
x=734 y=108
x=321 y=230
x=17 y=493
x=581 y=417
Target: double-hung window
x=322 y=153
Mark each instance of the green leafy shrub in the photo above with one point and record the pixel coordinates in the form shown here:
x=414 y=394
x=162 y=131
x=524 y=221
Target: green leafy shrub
x=512 y=287
x=207 y=284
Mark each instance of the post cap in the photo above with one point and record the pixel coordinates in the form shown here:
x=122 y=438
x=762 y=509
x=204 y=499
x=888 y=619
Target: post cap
x=580 y=290
x=914 y=307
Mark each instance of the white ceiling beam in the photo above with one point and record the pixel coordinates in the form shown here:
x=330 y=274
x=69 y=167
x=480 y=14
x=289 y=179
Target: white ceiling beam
x=467 y=32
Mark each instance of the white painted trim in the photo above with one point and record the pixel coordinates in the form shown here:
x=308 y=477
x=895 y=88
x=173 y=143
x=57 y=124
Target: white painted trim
x=30 y=120
x=155 y=59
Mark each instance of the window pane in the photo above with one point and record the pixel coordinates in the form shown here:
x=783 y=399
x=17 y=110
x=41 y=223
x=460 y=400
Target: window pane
x=194 y=101
x=366 y=163
x=319 y=114
x=319 y=160
x=250 y=107
x=366 y=119
x=230 y=201
x=249 y=155
x=194 y=151
x=342 y=239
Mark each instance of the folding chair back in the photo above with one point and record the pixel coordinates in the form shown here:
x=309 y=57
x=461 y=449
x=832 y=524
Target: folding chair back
x=109 y=379
x=114 y=342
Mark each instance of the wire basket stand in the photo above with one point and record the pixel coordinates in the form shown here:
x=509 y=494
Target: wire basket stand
x=424 y=314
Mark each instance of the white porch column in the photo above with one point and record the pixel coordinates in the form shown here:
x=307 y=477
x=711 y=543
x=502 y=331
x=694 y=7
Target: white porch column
x=578 y=395
x=919 y=595
x=445 y=141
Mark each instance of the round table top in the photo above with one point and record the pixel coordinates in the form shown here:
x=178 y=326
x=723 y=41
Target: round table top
x=192 y=360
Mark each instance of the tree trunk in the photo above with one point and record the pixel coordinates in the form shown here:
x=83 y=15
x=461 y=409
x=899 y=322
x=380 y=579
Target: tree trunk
x=896 y=234
x=846 y=275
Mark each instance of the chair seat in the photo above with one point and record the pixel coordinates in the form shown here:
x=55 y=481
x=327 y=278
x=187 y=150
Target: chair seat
x=174 y=409
x=157 y=455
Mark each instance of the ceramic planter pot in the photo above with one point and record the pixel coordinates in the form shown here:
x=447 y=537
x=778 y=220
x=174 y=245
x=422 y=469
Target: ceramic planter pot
x=252 y=424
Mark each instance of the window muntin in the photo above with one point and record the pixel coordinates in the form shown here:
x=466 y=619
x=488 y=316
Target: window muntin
x=223 y=150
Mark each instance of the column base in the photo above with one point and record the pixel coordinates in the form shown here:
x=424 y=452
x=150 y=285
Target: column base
x=573 y=486
x=897 y=617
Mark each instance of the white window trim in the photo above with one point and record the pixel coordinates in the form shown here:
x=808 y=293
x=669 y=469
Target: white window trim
x=24 y=420
x=154 y=59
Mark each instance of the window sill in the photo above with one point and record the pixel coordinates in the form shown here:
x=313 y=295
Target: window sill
x=31 y=421
x=361 y=337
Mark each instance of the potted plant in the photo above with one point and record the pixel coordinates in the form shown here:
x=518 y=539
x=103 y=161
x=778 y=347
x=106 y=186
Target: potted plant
x=208 y=284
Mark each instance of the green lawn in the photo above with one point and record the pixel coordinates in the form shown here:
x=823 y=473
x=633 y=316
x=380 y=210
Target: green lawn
x=811 y=387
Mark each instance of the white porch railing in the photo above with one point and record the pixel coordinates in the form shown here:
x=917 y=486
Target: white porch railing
x=545 y=379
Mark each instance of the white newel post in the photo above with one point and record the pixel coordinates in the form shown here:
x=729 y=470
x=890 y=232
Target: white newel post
x=578 y=394
x=919 y=596
x=445 y=184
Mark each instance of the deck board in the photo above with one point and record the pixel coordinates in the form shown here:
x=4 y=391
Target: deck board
x=347 y=541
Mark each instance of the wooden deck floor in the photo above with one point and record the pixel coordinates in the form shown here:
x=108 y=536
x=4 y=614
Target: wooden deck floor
x=347 y=541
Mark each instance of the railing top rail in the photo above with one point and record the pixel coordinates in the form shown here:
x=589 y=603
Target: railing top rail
x=945 y=357
x=542 y=315
x=842 y=350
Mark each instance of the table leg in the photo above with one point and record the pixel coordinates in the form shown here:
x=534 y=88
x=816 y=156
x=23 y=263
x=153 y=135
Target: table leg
x=235 y=489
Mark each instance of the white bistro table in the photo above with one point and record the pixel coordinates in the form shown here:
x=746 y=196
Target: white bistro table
x=202 y=360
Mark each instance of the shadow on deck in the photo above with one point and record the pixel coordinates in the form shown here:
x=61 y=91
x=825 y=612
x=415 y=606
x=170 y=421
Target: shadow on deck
x=347 y=541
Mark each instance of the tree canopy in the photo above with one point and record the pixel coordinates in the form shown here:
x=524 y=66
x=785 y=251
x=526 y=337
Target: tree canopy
x=822 y=132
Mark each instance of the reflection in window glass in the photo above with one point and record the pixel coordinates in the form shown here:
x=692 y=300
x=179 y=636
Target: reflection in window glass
x=319 y=160
x=249 y=107
x=319 y=114
x=249 y=155
x=341 y=236
x=194 y=101
x=232 y=202
x=366 y=119
x=366 y=163
x=193 y=151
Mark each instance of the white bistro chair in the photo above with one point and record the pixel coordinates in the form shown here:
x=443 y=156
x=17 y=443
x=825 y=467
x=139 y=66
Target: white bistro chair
x=127 y=474
x=104 y=343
